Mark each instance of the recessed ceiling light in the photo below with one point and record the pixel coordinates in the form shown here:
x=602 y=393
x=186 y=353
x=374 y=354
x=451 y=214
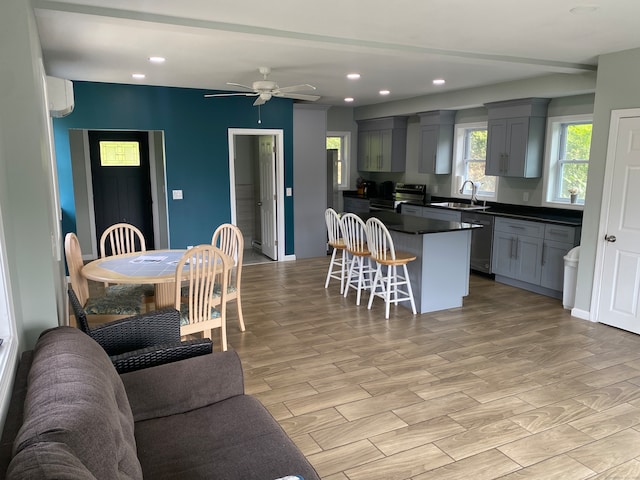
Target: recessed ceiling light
x=348 y=99
x=157 y=59
x=353 y=76
x=583 y=9
x=439 y=81
x=138 y=76
x=384 y=92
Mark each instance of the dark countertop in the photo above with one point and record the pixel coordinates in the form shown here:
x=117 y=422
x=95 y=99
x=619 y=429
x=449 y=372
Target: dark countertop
x=354 y=194
x=558 y=216
x=416 y=225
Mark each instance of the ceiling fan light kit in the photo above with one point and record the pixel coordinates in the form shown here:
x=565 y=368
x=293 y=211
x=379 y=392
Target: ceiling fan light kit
x=266 y=89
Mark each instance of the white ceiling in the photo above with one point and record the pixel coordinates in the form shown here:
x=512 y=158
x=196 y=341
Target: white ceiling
x=400 y=46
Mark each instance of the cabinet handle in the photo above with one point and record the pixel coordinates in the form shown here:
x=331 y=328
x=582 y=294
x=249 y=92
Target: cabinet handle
x=543 y=260
x=511 y=247
x=516 y=239
x=517 y=227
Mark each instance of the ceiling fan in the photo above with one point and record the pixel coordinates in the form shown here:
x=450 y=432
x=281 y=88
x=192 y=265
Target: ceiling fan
x=266 y=89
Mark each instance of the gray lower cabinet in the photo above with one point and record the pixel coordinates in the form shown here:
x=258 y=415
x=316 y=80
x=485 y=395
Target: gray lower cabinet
x=441 y=214
x=356 y=205
x=414 y=210
x=530 y=255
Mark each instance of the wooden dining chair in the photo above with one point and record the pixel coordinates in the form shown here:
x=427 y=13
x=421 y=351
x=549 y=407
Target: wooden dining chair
x=388 y=283
x=99 y=309
x=198 y=272
x=229 y=239
x=338 y=263
x=121 y=238
x=360 y=273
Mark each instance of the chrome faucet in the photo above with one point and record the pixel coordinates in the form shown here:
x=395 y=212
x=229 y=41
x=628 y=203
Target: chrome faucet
x=474 y=190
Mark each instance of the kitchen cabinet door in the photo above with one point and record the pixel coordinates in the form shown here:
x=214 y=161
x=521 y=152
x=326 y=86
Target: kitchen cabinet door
x=364 y=152
x=436 y=141
x=496 y=141
x=553 y=264
x=527 y=266
x=441 y=214
x=503 y=246
x=414 y=210
x=385 y=151
x=356 y=205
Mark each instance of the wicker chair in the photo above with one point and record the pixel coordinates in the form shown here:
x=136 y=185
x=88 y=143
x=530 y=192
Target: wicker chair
x=141 y=341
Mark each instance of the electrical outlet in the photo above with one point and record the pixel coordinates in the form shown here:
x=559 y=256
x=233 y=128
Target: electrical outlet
x=177 y=194
x=525 y=197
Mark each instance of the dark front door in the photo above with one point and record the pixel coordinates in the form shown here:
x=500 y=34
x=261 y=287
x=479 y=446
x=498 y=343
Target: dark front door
x=121 y=181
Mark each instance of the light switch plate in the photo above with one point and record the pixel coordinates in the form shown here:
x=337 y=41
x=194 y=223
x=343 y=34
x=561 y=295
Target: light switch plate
x=177 y=194
x=289 y=191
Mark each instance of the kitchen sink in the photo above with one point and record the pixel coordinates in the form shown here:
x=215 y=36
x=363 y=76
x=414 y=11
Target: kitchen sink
x=458 y=206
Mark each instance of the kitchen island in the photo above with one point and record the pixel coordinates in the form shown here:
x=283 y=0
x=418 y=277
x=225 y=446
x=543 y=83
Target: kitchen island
x=440 y=274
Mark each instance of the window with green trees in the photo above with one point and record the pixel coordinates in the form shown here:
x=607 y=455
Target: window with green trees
x=570 y=149
x=471 y=158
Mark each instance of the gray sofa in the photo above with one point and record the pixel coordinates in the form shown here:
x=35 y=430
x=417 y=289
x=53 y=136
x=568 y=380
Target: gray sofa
x=74 y=417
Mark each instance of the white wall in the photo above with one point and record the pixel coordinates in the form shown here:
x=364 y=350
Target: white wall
x=26 y=200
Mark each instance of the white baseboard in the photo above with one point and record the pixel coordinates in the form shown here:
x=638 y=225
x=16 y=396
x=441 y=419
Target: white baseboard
x=582 y=314
x=288 y=258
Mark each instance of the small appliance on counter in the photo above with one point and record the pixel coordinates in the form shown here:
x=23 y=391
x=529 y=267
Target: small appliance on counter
x=366 y=188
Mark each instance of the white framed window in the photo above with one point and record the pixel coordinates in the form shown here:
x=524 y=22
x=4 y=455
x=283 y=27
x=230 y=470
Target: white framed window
x=567 y=160
x=9 y=347
x=339 y=143
x=470 y=157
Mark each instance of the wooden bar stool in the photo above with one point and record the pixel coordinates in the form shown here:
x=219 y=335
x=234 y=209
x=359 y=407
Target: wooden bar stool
x=360 y=274
x=339 y=256
x=389 y=285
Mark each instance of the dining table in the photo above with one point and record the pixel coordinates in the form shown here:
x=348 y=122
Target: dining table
x=157 y=267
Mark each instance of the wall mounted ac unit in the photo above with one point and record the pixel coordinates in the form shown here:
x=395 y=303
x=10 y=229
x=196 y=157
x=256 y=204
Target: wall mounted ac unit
x=60 y=96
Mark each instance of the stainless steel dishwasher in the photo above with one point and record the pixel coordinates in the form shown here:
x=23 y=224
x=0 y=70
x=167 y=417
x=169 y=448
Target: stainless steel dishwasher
x=481 y=240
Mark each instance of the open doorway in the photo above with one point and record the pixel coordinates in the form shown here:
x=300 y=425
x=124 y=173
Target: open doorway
x=86 y=226
x=256 y=174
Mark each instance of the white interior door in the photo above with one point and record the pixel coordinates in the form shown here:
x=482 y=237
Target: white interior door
x=620 y=282
x=267 y=159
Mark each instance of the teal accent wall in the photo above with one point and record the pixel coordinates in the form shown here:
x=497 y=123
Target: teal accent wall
x=196 y=148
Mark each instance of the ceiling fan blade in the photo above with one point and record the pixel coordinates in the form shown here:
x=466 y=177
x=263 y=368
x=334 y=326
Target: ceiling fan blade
x=210 y=95
x=260 y=101
x=296 y=88
x=298 y=96
x=247 y=87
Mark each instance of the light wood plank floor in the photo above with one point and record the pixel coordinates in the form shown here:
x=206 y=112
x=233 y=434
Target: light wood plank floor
x=508 y=386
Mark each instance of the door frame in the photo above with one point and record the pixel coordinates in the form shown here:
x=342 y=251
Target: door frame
x=155 y=206
x=616 y=117
x=279 y=142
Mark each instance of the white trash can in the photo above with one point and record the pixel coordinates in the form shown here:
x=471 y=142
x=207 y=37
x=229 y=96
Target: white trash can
x=570 y=277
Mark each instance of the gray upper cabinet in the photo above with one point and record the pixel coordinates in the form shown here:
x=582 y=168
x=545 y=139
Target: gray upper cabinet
x=382 y=144
x=515 y=137
x=436 y=141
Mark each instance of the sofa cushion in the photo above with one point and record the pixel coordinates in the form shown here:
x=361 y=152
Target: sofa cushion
x=75 y=399
x=48 y=461
x=235 y=438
